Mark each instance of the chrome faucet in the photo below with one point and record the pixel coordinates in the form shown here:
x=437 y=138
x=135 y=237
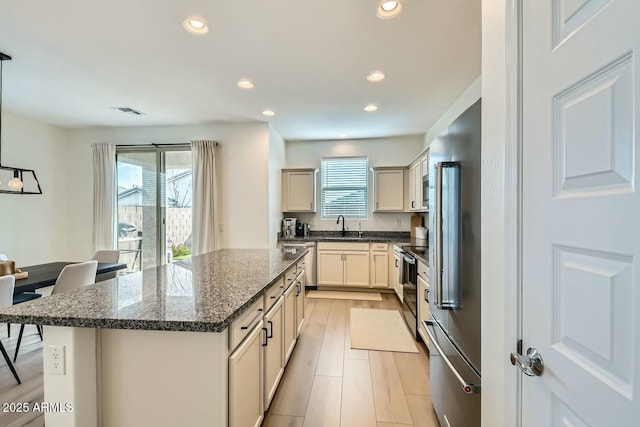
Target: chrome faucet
x=338 y=222
x=359 y=229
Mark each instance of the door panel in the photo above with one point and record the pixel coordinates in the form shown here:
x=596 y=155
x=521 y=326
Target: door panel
x=356 y=269
x=580 y=211
x=274 y=351
x=330 y=268
x=245 y=381
x=290 y=327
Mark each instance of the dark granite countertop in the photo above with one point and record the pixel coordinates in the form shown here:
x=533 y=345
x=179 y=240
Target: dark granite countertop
x=202 y=294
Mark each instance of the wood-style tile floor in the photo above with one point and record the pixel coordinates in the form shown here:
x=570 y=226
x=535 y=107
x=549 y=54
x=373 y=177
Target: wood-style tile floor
x=29 y=367
x=326 y=383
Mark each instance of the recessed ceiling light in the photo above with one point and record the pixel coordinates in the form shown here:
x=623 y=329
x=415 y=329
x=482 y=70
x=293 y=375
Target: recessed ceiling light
x=196 y=25
x=370 y=108
x=268 y=113
x=376 y=76
x=245 y=84
x=343 y=135
x=389 y=8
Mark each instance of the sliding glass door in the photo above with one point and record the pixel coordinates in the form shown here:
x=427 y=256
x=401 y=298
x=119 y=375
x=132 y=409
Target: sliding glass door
x=154 y=197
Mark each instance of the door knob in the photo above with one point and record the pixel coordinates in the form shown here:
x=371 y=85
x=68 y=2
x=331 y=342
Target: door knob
x=531 y=363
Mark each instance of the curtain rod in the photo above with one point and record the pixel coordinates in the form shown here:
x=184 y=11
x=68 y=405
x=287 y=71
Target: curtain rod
x=157 y=145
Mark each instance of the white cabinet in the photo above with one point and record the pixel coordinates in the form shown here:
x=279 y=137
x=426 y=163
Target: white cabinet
x=273 y=351
x=343 y=264
x=424 y=167
x=388 y=189
x=290 y=329
x=330 y=267
x=397 y=268
x=414 y=172
x=356 y=268
x=417 y=171
x=300 y=302
x=245 y=381
x=423 y=301
x=299 y=190
x=379 y=265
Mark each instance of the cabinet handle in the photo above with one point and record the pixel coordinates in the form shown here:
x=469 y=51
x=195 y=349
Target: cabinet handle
x=266 y=337
x=413 y=204
x=377 y=205
x=270 y=335
x=396 y=263
x=311 y=205
x=252 y=320
x=426 y=295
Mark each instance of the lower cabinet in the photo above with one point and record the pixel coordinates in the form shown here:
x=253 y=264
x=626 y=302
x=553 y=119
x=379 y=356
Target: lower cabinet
x=257 y=363
x=300 y=298
x=245 y=381
x=379 y=269
x=330 y=268
x=290 y=327
x=273 y=351
x=343 y=264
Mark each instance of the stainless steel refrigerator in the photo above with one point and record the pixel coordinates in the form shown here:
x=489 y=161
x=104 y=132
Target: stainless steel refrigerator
x=454 y=255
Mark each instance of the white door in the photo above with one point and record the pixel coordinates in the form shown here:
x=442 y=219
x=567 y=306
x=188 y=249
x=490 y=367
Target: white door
x=581 y=212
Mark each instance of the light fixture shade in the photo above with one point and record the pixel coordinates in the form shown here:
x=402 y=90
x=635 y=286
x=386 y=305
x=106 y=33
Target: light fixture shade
x=18 y=181
x=15 y=180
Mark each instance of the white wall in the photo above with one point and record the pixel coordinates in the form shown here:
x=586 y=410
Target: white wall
x=242 y=168
x=33 y=228
x=391 y=151
x=495 y=394
x=276 y=163
x=468 y=97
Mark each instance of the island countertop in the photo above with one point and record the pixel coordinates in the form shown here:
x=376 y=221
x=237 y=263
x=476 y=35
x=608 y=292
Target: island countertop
x=202 y=294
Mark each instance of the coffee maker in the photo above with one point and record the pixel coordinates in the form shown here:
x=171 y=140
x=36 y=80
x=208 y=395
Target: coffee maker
x=302 y=230
x=289 y=228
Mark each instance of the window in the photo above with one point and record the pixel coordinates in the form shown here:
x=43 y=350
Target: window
x=344 y=187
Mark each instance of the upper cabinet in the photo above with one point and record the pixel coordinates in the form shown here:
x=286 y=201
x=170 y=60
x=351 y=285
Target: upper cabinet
x=299 y=190
x=388 y=187
x=418 y=183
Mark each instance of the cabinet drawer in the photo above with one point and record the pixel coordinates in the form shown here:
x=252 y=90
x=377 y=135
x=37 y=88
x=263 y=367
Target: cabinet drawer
x=380 y=247
x=290 y=276
x=339 y=246
x=242 y=326
x=273 y=293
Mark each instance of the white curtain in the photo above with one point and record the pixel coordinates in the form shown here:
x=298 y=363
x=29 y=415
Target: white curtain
x=204 y=196
x=104 y=196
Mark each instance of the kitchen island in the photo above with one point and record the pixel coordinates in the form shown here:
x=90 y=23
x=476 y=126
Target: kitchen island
x=179 y=344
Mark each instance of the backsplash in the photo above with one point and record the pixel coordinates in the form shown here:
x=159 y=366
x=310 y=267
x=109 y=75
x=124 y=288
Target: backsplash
x=376 y=222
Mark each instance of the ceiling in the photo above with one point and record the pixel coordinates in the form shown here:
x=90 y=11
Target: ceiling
x=73 y=60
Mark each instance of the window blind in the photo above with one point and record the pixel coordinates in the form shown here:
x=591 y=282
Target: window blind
x=344 y=187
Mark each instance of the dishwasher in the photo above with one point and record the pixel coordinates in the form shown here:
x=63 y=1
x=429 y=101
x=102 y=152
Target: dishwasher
x=309 y=260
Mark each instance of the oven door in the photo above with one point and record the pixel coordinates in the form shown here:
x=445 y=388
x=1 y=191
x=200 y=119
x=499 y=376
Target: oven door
x=410 y=292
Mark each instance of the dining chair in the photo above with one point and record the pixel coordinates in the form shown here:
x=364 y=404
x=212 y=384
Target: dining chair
x=107 y=256
x=72 y=276
x=7 y=284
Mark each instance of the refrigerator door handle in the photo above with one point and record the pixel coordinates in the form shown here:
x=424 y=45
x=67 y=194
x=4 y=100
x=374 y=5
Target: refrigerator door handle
x=437 y=253
x=449 y=221
x=466 y=387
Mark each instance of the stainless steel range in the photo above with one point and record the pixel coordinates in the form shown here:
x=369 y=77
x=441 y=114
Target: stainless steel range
x=409 y=286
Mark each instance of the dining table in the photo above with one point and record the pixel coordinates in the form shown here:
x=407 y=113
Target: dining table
x=43 y=275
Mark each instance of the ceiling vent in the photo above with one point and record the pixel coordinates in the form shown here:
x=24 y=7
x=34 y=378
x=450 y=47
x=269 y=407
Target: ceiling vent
x=128 y=110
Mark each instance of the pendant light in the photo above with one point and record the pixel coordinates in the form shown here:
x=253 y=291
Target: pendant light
x=21 y=176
